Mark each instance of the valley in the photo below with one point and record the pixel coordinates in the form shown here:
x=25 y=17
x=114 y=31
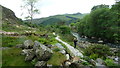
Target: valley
x=49 y=41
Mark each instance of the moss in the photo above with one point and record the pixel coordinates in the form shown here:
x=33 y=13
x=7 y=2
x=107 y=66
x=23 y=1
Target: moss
x=57 y=59
x=56 y=49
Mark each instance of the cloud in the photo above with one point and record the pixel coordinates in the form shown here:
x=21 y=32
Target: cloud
x=54 y=7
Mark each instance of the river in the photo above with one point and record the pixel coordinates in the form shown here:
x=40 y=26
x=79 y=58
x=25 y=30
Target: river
x=80 y=39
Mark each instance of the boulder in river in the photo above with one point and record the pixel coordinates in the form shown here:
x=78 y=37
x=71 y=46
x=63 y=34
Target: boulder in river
x=42 y=52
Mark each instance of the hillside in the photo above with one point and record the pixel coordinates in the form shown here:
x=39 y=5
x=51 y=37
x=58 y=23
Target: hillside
x=68 y=18
x=10 y=23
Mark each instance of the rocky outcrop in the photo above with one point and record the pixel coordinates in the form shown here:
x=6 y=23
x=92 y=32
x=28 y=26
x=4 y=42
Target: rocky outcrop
x=41 y=51
x=35 y=50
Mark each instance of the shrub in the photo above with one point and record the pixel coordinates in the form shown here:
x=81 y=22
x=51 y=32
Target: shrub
x=110 y=62
x=94 y=56
x=97 y=49
x=64 y=29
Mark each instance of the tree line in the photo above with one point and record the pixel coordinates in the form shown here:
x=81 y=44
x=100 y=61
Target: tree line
x=102 y=22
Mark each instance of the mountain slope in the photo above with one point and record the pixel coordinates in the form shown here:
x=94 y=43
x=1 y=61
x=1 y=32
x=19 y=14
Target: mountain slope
x=9 y=17
x=68 y=18
x=10 y=22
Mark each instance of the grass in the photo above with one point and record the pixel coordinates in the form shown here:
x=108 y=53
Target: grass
x=12 y=41
x=12 y=57
x=57 y=59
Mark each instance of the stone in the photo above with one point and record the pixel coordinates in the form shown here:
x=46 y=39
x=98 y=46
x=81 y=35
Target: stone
x=42 y=52
x=41 y=63
x=67 y=56
x=29 y=54
x=49 y=46
x=28 y=44
x=100 y=61
x=63 y=51
x=59 y=46
x=67 y=63
x=19 y=46
x=92 y=62
x=116 y=58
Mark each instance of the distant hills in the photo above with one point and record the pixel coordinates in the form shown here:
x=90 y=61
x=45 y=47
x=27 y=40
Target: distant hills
x=9 y=18
x=51 y=20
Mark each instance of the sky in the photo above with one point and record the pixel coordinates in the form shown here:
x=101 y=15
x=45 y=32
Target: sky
x=54 y=7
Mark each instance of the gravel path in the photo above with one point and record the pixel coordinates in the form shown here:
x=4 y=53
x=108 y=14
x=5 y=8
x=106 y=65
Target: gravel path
x=73 y=50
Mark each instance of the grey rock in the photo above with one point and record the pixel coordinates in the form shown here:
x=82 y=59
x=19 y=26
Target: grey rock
x=63 y=51
x=49 y=46
x=28 y=44
x=41 y=51
x=41 y=63
x=92 y=62
x=67 y=63
x=4 y=48
x=100 y=61
x=59 y=46
x=67 y=56
x=29 y=54
x=19 y=46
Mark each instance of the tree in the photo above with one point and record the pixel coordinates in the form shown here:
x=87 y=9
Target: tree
x=100 y=6
x=30 y=6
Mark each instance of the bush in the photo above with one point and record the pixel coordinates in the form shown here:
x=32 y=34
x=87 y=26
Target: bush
x=97 y=50
x=94 y=56
x=110 y=62
x=64 y=30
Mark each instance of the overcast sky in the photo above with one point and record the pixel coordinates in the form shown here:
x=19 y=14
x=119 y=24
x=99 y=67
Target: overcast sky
x=54 y=7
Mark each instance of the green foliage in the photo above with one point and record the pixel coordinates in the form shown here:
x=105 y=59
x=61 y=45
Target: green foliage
x=97 y=51
x=94 y=56
x=12 y=57
x=101 y=23
x=12 y=41
x=110 y=62
x=85 y=63
x=56 y=49
x=47 y=40
x=99 y=6
x=64 y=30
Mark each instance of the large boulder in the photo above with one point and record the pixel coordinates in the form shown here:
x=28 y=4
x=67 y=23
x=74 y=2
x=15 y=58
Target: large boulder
x=42 y=52
x=29 y=54
x=28 y=44
x=41 y=63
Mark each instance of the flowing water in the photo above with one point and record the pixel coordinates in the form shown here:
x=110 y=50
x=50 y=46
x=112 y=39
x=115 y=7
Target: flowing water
x=80 y=39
